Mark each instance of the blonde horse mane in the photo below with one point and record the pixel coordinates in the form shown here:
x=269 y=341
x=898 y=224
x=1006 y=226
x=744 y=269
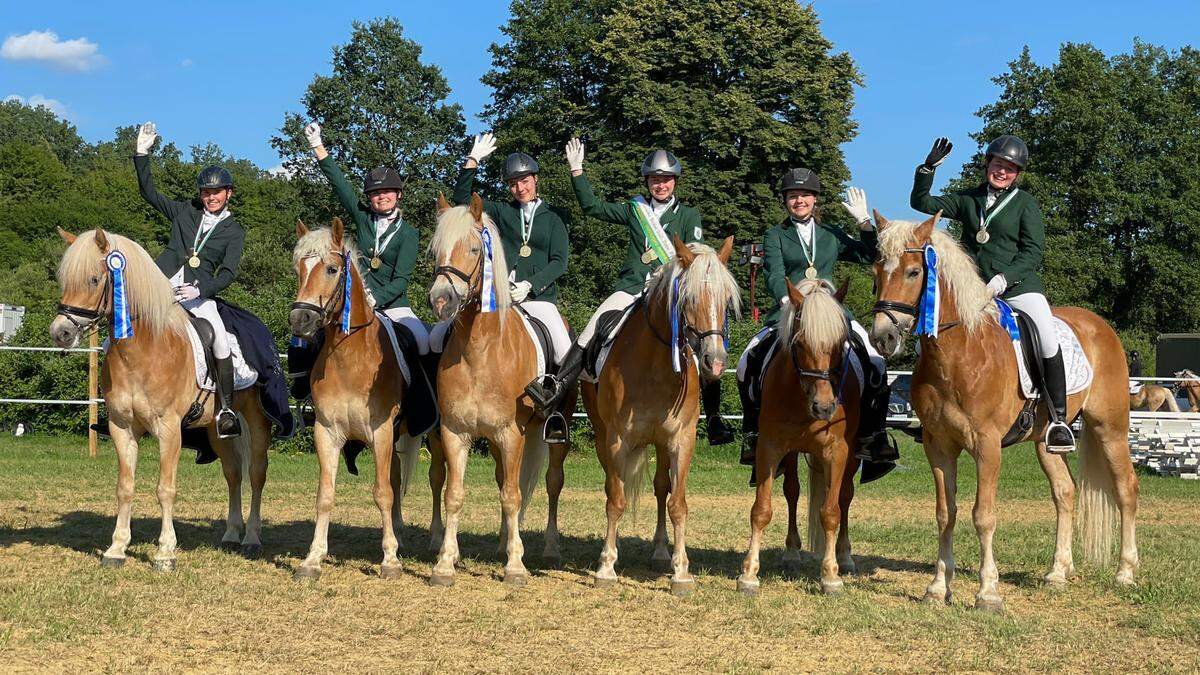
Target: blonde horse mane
x=455 y=226
x=705 y=271
x=821 y=326
x=149 y=293
x=319 y=243
x=955 y=268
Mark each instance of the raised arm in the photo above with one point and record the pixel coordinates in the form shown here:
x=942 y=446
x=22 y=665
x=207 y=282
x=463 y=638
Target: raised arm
x=954 y=207
x=607 y=211
x=345 y=193
x=141 y=165
x=863 y=249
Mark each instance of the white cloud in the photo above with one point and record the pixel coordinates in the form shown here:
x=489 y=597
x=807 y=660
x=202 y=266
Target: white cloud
x=186 y=63
x=79 y=55
x=53 y=105
x=280 y=171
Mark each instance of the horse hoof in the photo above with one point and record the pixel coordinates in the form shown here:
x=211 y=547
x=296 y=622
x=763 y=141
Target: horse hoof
x=391 y=571
x=164 y=565
x=303 y=573
x=229 y=546
x=252 y=551
x=441 y=580
x=747 y=587
x=106 y=561
x=834 y=587
x=683 y=588
x=661 y=565
x=939 y=599
x=990 y=605
x=516 y=579
x=1055 y=583
x=552 y=562
x=605 y=582
x=1124 y=578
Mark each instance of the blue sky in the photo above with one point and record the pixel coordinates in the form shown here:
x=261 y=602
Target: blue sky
x=227 y=74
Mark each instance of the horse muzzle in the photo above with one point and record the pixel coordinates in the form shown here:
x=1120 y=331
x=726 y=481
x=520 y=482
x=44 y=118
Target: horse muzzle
x=712 y=362
x=304 y=320
x=64 y=332
x=823 y=410
x=887 y=333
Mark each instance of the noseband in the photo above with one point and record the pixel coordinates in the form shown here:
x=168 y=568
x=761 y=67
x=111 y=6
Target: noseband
x=450 y=272
x=92 y=316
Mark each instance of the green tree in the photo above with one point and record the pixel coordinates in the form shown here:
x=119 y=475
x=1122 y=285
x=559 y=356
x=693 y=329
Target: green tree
x=19 y=122
x=1113 y=143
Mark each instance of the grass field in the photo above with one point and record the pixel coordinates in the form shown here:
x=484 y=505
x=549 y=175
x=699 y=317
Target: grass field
x=60 y=610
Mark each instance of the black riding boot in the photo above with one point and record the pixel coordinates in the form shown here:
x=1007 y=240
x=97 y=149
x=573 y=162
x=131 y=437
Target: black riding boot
x=876 y=448
x=549 y=394
x=1059 y=439
x=228 y=425
x=421 y=409
x=718 y=432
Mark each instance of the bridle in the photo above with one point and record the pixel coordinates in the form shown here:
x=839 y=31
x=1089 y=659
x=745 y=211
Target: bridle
x=91 y=316
x=323 y=311
x=886 y=307
x=692 y=337
x=450 y=272
x=826 y=374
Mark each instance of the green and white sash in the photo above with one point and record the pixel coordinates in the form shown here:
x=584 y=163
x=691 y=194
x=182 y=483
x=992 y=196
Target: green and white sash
x=656 y=237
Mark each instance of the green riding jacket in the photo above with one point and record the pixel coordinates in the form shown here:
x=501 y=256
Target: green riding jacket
x=784 y=259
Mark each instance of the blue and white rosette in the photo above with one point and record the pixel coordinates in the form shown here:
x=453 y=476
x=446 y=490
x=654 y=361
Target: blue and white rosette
x=346 y=292
x=487 y=296
x=1008 y=321
x=676 y=352
x=929 y=310
x=122 y=322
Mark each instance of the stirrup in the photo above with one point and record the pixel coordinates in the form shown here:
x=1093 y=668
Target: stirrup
x=749 y=448
x=1059 y=449
x=555 y=428
x=543 y=390
x=887 y=450
x=228 y=425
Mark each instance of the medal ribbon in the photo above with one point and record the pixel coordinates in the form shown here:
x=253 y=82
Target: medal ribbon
x=930 y=307
x=1008 y=321
x=198 y=242
x=122 y=323
x=676 y=352
x=656 y=237
x=812 y=259
x=984 y=222
x=527 y=227
x=389 y=232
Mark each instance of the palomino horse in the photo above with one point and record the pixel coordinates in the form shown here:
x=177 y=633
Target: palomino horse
x=1191 y=387
x=1152 y=397
x=357 y=387
x=965 y=390
x=806 y=379
x=486 y=362
x=143 y=396
x=640 y=401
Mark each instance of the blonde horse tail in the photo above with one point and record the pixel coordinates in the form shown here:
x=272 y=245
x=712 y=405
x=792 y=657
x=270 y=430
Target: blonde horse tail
x=1172 y=404
x=409 y=449
x=633 y=475
x=241 y=445
x=1097 y=507
x=533 y=465
x=816 y=499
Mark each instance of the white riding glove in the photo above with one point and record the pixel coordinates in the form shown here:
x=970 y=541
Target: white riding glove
x=997 y=285
x=485 y=144
x=856 y=204
x=145 y=138
x=187 y=292
x=520 y=290
x=575 y=155
x=785 y=301
x=313 y=133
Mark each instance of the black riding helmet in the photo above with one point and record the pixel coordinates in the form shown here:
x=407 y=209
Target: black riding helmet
x=214 y=177
x=519 y=165
x=661 y=163
x=799 y=179
x=1008 y=147
x=382 y=178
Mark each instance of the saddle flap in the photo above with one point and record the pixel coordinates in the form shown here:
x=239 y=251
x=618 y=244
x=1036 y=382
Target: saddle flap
x=204 y=331
x=541 y=334
x=1031 y=349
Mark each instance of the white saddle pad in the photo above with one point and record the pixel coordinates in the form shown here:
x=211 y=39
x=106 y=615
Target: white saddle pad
x=244 y=376
x=537 y=344
x=389 y=328
x=1079 y=370
x=602 y=357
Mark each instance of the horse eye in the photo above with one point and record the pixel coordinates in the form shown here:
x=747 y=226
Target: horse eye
x=913 y=273
x=95 y=281
x=475 y=250
x=331 y=270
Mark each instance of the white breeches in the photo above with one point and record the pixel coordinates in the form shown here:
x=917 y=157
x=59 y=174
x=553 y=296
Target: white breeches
x=405 y=317
x=547 y=313
x=618 y=300
x=741 y=367
x=1034 y=306
x=207 y=310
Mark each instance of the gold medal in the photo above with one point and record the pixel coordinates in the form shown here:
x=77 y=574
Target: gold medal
x=810 y=273
x=526 y=251
x=375 y=262
x=649 y=256
x=194 y=261
x=983 y=237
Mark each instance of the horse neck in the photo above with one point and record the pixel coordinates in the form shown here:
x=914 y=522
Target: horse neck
x=364 y=332
x=146 y=351
x=950 y=351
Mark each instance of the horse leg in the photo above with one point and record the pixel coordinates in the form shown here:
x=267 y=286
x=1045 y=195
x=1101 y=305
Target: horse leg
x=793 y=544
x=987 y=463
x=260 y=444
x=437 y=480
x=833 y=461
x=498 y=469
x=329 y=448
x=845 y=558
x=682 y=582
x=765 y=462
x=611 y=451
x=944 y=464
x=555 y=479
x=404 y=464
x=126 y=441
x=512 y=449
x=455 y=448
x=231 y=468
x=660 y=559
x=1062 y=491
x=386 y=498
x=168 y=465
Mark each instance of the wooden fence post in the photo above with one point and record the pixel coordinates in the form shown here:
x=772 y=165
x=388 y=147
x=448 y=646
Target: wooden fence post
x=93 y=392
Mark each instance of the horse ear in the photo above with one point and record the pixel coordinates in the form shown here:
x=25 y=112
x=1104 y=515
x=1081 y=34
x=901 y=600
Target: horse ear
x=442 y=204
x=794 y=294
x=880 y=221
x=66 y=236
x=925 y=230
x=726 y=250
x=338 y=231
x=476 y=207
x=684 y=253
x=101 y=240
x=301 y=228
x=840 y=295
